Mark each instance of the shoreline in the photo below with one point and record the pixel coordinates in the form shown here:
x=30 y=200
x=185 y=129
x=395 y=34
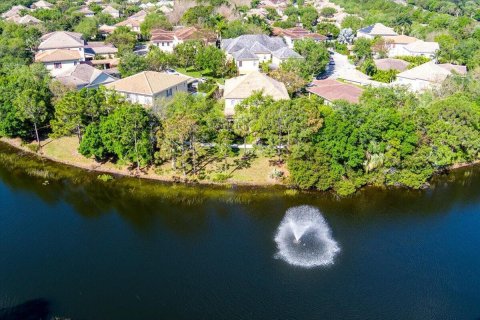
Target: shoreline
x=126 y=173
x=16 y=144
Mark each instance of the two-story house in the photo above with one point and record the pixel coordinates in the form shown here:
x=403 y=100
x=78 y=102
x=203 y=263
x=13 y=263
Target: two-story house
x=147 y=87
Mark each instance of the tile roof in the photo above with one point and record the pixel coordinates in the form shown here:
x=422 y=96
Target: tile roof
x=57 y=55
x=61 y=39
x=26 y=19
x=244 y=54
x=248 y=40
x=242 y=87
x=286 y=53
x=400 y=39
x=147 y=82
x=83 y=75
x=378 y=29
x=422 y=47
x=42 y=4
x=111 y=10
x=391 y=64
x=333 y=90
x=432 y=72
x=100 y=47
x=14 y=11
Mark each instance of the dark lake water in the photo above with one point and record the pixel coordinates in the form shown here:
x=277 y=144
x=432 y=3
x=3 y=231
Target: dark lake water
x=128 y=249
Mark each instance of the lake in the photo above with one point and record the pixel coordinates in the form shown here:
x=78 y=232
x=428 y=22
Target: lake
x=77 y=247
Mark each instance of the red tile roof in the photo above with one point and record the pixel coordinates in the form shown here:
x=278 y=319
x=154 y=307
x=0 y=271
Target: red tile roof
x=332 y=90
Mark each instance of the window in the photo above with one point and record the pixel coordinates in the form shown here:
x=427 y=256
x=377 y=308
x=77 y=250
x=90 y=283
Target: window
x=57 y=65
x=169 y=92
x=239 y=63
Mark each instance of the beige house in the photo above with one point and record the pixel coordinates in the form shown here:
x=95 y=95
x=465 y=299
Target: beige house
x=428 y=75
x=63 y=40
x=376 y=30
x=58 y=60
x=26 y=20
x=167 y=40
x=239 y=88
x=111 y=11
x=134 y=21
x=41 y=5
x=146 y=87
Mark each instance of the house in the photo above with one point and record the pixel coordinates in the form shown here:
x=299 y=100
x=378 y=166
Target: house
x=168 y=40
x=284 y=54
x=58 y=60
x=41 y=5
x=14 y=11
x=100 y=49
x=84 y=76
x=332 y=90
x=396 y=44
x=248 y=51
x=293 y=34
x=106 y=30
x=239 y=88
x=391 y=64
x=146 y=87
x=133 y=22
x=111 y=11
x=428 y=75
x=63 y=40
x=25 y=20
x=376 y=30
x=422 y=48
x=86 y=12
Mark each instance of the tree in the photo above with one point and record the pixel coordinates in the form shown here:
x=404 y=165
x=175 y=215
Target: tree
x=154 y=21
x=158 y=60
x=328 y=12
x=131 y=63
x=211 y=58
x=123 y=39
x=362 y=49
x=186 y=53
x=293 y=82
x=352 y=22
x=126 y=134
x=316 y=56
x=346 y=36
x=69 y=114
x=328 y=29
x=31 y=107
x=87 y=27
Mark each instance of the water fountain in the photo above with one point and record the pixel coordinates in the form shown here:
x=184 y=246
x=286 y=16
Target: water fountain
x=304 y=238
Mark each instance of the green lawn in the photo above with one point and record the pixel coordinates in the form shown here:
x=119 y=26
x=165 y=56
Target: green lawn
x=199 y=74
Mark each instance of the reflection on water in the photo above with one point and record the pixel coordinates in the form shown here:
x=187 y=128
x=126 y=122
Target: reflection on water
x=137 y=249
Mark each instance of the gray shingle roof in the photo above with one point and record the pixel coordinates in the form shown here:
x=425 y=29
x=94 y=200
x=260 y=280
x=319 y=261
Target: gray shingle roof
x=285 y=53
x=244 y=54
x=249 y=40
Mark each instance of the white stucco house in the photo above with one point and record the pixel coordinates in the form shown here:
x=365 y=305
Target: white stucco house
x=248 y=51
x=146 y=87
x=58 y=60
x=239 y=88
x=84 y=76
x=375 y=30
x=428 y=75
x=63 y=40
x=167 y=40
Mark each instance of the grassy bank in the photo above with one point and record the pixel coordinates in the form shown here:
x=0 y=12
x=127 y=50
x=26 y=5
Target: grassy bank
x=256 y=171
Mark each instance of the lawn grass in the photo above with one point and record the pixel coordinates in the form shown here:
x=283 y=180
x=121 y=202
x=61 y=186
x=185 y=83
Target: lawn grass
x=255 y=171
x=199 y=74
